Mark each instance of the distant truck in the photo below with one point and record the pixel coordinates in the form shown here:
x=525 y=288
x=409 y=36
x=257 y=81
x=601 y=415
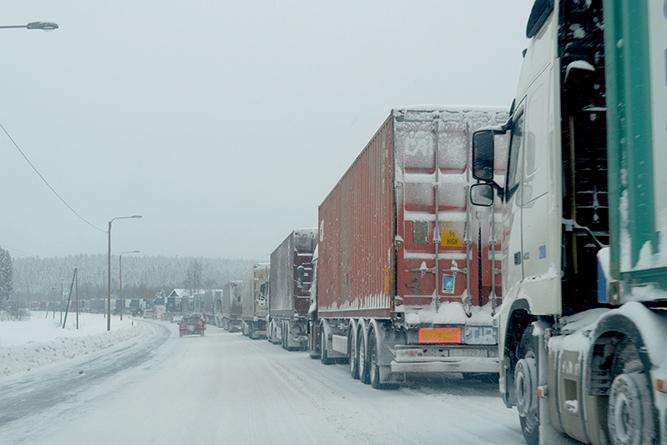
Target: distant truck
x=211 y=306
x=405 y=278
x=231 y=305
x=289 y=297
x=255 y=302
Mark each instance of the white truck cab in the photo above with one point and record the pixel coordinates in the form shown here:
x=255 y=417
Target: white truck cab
x=583 y=325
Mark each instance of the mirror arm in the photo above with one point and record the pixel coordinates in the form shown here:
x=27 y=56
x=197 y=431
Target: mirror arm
x=496 y=186
x=499 y=189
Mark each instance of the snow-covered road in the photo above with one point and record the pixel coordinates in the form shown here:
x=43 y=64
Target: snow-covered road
x=225 y=388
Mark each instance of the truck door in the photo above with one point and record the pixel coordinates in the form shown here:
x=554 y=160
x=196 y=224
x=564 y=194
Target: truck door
x=537 y=220
x=512 y=222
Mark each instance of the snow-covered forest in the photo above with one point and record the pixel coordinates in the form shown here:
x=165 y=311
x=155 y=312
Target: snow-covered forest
x=37 y=278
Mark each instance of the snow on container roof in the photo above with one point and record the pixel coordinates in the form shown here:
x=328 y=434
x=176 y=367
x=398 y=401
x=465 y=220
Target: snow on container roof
x=435 y=107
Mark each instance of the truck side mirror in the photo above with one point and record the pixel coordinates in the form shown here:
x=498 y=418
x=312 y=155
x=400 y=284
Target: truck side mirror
x=481 y=195
x=482 y=155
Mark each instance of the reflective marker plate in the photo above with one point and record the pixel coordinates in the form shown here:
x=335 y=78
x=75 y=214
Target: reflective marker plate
x=439 y=335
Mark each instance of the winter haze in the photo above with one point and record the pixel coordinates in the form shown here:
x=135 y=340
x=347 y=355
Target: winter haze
x=223 y=123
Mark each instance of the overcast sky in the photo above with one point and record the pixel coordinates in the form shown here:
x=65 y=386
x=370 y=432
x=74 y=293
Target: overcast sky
x=223 y=123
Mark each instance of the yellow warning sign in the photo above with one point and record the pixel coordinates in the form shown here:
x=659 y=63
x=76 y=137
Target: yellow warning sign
x=449 y=236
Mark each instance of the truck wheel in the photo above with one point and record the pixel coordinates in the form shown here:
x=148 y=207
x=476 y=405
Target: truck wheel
x=251 y=331
x=525 y=383
x=271 y=337
x=373 y=369
x=363 y=359
x=324 y=356
x=282 y=334
x=353 y=357
x=313 y=341
x=629 y=415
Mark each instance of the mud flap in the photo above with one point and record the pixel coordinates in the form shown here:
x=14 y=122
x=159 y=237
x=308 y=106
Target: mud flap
x=386 y=340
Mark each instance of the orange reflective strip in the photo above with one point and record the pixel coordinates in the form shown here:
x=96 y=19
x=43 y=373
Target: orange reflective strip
x=439 y=335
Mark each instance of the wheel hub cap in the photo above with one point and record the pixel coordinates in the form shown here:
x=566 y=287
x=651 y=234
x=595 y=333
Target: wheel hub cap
x=525 y=378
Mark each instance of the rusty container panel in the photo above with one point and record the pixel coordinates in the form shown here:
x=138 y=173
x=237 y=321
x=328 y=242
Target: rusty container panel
x=232 y=293
x=291 y=272
x=395 y=232
x=256 y=292
x=437 y=257
x=356 y=235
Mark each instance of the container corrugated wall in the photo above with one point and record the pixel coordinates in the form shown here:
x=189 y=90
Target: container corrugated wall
x=356 y=231
x=389 y=194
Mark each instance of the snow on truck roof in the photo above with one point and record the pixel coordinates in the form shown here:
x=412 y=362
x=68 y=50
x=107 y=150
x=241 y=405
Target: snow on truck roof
x=452 y=108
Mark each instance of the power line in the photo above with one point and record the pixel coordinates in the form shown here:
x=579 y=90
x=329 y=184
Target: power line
x=78 y=215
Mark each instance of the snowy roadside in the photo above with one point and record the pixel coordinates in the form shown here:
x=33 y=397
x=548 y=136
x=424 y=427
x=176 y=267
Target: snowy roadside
x=27 y=346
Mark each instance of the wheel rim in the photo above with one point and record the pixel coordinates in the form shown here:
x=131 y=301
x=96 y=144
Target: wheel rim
x=525 y=379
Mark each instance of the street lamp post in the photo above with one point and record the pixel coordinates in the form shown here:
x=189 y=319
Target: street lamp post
x=44 y=26
x=109 y=266
x=120 y=279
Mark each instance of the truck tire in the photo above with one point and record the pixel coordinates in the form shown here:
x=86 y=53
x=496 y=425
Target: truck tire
x=313 y=341
x=251 y=331
x=630 y=413
x=324 y=356
x=352 y=355
x=283 y=343
x=271 y=333
x=363 y=357
x=525 y=382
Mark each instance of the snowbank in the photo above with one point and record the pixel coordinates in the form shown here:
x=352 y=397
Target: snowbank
x=39 y=341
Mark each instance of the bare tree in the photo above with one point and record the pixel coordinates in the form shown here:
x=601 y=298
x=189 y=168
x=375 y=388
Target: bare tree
x=6 y=276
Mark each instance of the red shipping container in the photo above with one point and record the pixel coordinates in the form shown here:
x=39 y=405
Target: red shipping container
x=396 y=234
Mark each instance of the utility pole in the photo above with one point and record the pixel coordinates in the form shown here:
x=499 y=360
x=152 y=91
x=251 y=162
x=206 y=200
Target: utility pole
x=69 y=296
x=77 y=300
x=60 y=302
x=109 y=266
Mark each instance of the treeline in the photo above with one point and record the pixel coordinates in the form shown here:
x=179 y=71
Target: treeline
x=37 y=278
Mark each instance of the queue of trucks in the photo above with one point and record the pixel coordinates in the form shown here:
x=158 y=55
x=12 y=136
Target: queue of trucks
x=527 y=245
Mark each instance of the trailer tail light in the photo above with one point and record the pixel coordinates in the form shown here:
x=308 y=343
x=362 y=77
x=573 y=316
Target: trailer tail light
x=661 y=385
x=439 y=335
